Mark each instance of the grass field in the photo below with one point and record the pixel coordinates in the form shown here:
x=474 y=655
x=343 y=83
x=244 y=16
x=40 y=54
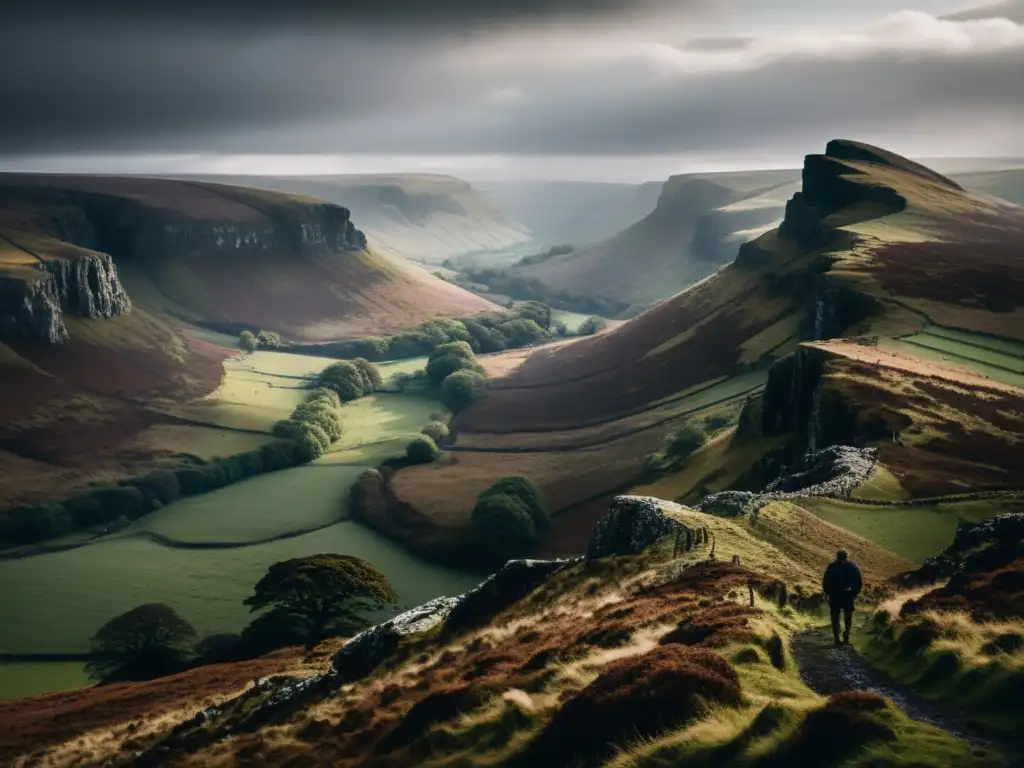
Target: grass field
x=260 y=508
x=204 y=442
x=54 y=603
x=999 y=359
x=915 y=533
x=371 y=422
x=19 y=679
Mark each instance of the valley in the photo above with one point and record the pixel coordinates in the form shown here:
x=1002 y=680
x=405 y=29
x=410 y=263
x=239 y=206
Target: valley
x=850 y=375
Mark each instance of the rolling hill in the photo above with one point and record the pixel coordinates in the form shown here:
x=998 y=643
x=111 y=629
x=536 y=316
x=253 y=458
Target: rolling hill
x=917 y=276
x=99 y=277
x=424 y=217
x=692 y=231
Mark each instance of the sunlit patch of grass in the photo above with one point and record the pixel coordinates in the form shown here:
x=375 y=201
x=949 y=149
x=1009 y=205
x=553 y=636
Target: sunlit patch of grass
x=948 y=655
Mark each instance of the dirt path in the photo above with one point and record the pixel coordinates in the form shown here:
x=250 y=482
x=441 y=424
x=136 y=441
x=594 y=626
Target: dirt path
x=828 y=669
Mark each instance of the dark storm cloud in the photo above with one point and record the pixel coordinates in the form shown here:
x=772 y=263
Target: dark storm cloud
x=377 y=78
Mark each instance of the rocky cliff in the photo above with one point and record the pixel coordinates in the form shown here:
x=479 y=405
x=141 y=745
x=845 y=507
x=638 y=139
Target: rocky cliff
x=63 y=237
x=33 y=307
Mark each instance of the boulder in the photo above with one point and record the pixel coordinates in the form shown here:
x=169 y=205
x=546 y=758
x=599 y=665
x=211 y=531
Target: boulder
x=367 y=650
x=632 y=524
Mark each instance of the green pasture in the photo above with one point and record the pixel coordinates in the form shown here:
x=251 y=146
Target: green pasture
x=258 y=509
x=205 y=442
x=915 y=533
x=18 y=679
x=1001 y=360
x=54 y=603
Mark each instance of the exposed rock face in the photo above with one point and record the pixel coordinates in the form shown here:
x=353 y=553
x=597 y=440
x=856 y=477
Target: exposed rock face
x=834 y=472
x=983 y=546
x=86 y=286
x=515 y=580
x=632 y=524
x=367 y=650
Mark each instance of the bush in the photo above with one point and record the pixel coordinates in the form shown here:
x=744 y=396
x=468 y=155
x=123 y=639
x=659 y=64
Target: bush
x=422 y=450
x=503 y=525
x=637 y=698
x=561 y=329
x=537 y=312
x=160 y=485
x=344 y=378
x=276 y=456
x=117 y=501
x=521 y=332
x=250 y=463
x=521 y=488
x=592 y=325
x=30 y=525
x=485 y=339
x=373 y=348
x=196 y=480
x=440 y=368
x=322 y=415
x=269 y=340
x=461 y=388
x=436 y=431
x=219 y=649
x=685 y=441
x=247 y=341
x=325 y=395
x=372 y=380
x=85 y=511
x=144 y=643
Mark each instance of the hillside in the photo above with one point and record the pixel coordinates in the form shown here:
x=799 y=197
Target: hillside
x=423 y=217
x=693 y=230
x=858 y=373
x=99 y=275
x=875 y=249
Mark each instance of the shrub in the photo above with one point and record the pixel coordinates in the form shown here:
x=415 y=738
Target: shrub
x=321 y=414
x=308 y=449
x=275 y=456
x=373 y=348
x=372 y=380
x=561 y=329
x=119 y=501
x=344 y=378
x=422 y=450
x=592 y=325
x=85 y=511
x=457 y=348
x=30 y=525
x=247 y=341
x=269 y=340
x=289 y=429
x=440 y=368
x=522 y=489
x=503 y=525
x=218 y=649
x=461 y=388
x=485 y=339
x=250 y=463
x=160 y=485
x=537 y=312
x=325 y=395
x=522 y=331
x=637 y=698
x=436 y=431
x=685 y=441
x=196 y=480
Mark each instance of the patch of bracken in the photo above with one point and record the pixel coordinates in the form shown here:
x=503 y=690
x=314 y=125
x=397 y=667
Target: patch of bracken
x=440 y=706
x=714 y=627
x=638 y=697
x=847 y=723
x=993 y=595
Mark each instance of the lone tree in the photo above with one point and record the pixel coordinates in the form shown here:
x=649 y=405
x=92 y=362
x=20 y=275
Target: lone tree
x=247 y=341
x=313 y=593
x=422 y=450
x=461 y=388
x=146 y=642
x=521 y=488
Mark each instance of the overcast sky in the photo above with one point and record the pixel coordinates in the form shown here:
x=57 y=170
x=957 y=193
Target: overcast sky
x=576 y=89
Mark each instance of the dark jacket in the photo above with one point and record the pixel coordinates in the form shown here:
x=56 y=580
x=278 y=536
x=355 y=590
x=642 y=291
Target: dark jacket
x=842 y=577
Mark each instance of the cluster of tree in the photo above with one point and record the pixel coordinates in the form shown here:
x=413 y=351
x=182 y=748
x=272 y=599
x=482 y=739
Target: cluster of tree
x=588 y=327
x=452 y=367
x=550 y=253
x=301 y=601
x=114 y=506
x=250 y=342
x=316 y=423
x=509 y=518
x=494 y=331
x=499 y=280
x=678 y=448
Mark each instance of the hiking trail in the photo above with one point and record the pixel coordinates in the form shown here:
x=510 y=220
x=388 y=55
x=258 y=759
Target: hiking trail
x=828 y=669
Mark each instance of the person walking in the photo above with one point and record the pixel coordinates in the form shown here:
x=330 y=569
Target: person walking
x=841 y=585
